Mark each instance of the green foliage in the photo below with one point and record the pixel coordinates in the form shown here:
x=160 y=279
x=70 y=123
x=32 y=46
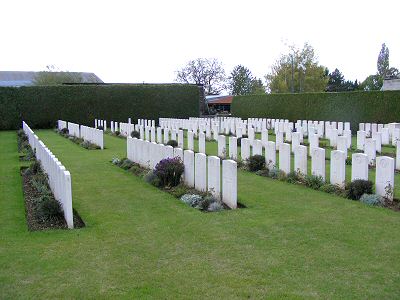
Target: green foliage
x=337 y=83
x=357 y=107
x=331 y=189
x=294 y=177
x=242 y=82
x=42 y=106
x=297 y=72
x=135 y=134
x=256 y=163
x=172 y=143
x=314 y=182
x=152 y=178
x=371 y=199
x=357 y=188
x=49 y=209
x=126 y=164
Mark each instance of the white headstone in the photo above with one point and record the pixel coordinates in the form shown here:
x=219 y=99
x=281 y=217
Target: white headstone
x=384 y=180
x=229 y=183
x=361 y=136
x=202 y=143
x=264 y=137
x=190 y=136
x=370 y=150
x=245 y=149
x=359 y=166
x=284 y=158
x=214 y=176
x=377 y=136
x=257 y=147
x=180 y=139
x=222 y=146
x=270 y=155
x=188 y=161
x=385 y=136
x=233 y=147
x=398 y=155
x=342 y=144
x=300 y=159
x=318 y=162
x=338 y=168
x=200 y=174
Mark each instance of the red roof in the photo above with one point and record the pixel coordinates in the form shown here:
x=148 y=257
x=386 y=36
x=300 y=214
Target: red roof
x=221 y=100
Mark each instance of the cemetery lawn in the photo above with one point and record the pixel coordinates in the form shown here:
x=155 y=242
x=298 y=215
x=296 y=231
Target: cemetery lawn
x=140 y=242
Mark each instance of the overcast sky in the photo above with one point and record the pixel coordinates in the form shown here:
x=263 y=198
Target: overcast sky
x=147 y=41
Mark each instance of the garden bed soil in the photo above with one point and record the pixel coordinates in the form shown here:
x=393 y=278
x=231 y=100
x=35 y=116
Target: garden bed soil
x=34 y=224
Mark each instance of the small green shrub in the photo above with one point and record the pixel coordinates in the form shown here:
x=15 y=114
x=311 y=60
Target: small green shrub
x=117 y=132
x=331 y=189
x=64 y=131
x=294 y=177
x=35 y=167
x=256 y=163
x=169 y=171
x=371 y=199
x=215 y=206
x=357 y=188
x=178 y=191
x=172 y=143
x=126 y=164
x=314 y=182
x=152 y=178
x=348 y=161
x=263 y=172
x=49 y=209
x=274 y=173
x=135 y=134
x=116 y=161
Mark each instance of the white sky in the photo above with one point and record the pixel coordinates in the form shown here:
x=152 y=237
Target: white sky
x=136 y=41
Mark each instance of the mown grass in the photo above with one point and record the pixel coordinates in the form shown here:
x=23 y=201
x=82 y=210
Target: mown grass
x=139 y=242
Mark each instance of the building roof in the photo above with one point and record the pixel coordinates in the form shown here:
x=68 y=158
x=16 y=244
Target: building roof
x=220 y=100
x=23 y=78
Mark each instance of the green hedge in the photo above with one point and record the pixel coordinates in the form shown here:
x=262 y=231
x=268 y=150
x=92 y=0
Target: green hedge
x=41 y=106
x=355 y=107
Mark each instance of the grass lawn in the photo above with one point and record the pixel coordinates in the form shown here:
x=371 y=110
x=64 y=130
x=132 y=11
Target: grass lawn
x=139 y=242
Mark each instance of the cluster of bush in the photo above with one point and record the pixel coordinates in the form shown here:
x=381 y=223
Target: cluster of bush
x=85 y=144
x=361 y=190
x=23 y=146
x=45 y=206
x=167 y=175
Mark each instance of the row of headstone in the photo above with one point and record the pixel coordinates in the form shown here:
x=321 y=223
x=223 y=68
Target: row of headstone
x=385 y=134
x=90 y=134
x=93 y=135
x=59 y=177
x=102 y=123
x=196 y=174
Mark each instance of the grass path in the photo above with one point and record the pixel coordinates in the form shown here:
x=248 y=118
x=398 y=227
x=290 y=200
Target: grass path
x=291 y=242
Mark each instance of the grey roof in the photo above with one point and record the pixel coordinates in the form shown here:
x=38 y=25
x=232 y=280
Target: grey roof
x=23 y=78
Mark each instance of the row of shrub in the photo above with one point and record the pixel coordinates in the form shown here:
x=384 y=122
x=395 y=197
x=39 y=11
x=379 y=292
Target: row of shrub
x=361 y=190
x=355 y=107
x=167 y=175
x=42 y=106
x=79 y=141
x=25 y=150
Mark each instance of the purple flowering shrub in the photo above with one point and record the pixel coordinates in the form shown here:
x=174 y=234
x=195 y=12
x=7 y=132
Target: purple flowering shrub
x=169 y=171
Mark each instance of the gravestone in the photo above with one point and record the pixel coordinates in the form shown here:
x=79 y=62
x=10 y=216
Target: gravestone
x=295 y=141
x=359 y=166
x=222 y=146
x=190 y=137
x=377 y=136
x=284 y=158
x=270 y=155
x=245 y=149
x=264 y=137
x=229 y=183
x=233 y=147
x=214 y=176
x=200 y=174
x=384 y=180
x=180 y=139
x=257 y=147
x=188 y=161
x=318 y=162
x=300 y=159
x=338 y=168
x=279 y=139
x=370 y=150
x=361 y=136
x=342 y=144
x=202 y=143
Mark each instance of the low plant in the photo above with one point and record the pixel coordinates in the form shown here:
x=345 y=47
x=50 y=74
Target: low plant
x=172 y=143
x=256 y=163
x=49 y=209
x=274 y=173
x=179 y=190
x=294 y=177
x=357 y=188
x=348 y=161
x=169 y=171
x=64 y=131
x=116 y=161
x=135 y=134
x=263 y=172
x=314 y=182
x=152 y=178
x=126 y=164
x=215 y=206
x=371 y=199
x=117 y=132
x=331 y=189
x=191 y=199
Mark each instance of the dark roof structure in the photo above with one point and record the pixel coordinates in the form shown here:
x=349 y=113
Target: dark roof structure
x=23 y=78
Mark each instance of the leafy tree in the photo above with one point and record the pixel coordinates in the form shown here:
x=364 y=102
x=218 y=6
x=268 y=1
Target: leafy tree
x=383 y=61
x=372 y=83
x=337 y=83
x=242 y=82
x=208 y=72
x=55 y=77
x=297 y=72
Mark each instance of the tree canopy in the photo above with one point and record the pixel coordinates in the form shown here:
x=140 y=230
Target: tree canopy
x=297 y=71
x=208 y=72
x=54 y=77
x=242 y=82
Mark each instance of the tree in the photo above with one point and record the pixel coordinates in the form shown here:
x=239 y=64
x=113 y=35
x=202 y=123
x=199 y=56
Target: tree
x=372 y=83
x=242 y=82
x=297 y=71
x=208 y=72
x=337 y=83
x=383 y=61
x=55 y=77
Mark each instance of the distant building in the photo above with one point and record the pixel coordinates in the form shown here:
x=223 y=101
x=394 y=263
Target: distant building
x=391 y=85
x=220 y=103
x=22 y=78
